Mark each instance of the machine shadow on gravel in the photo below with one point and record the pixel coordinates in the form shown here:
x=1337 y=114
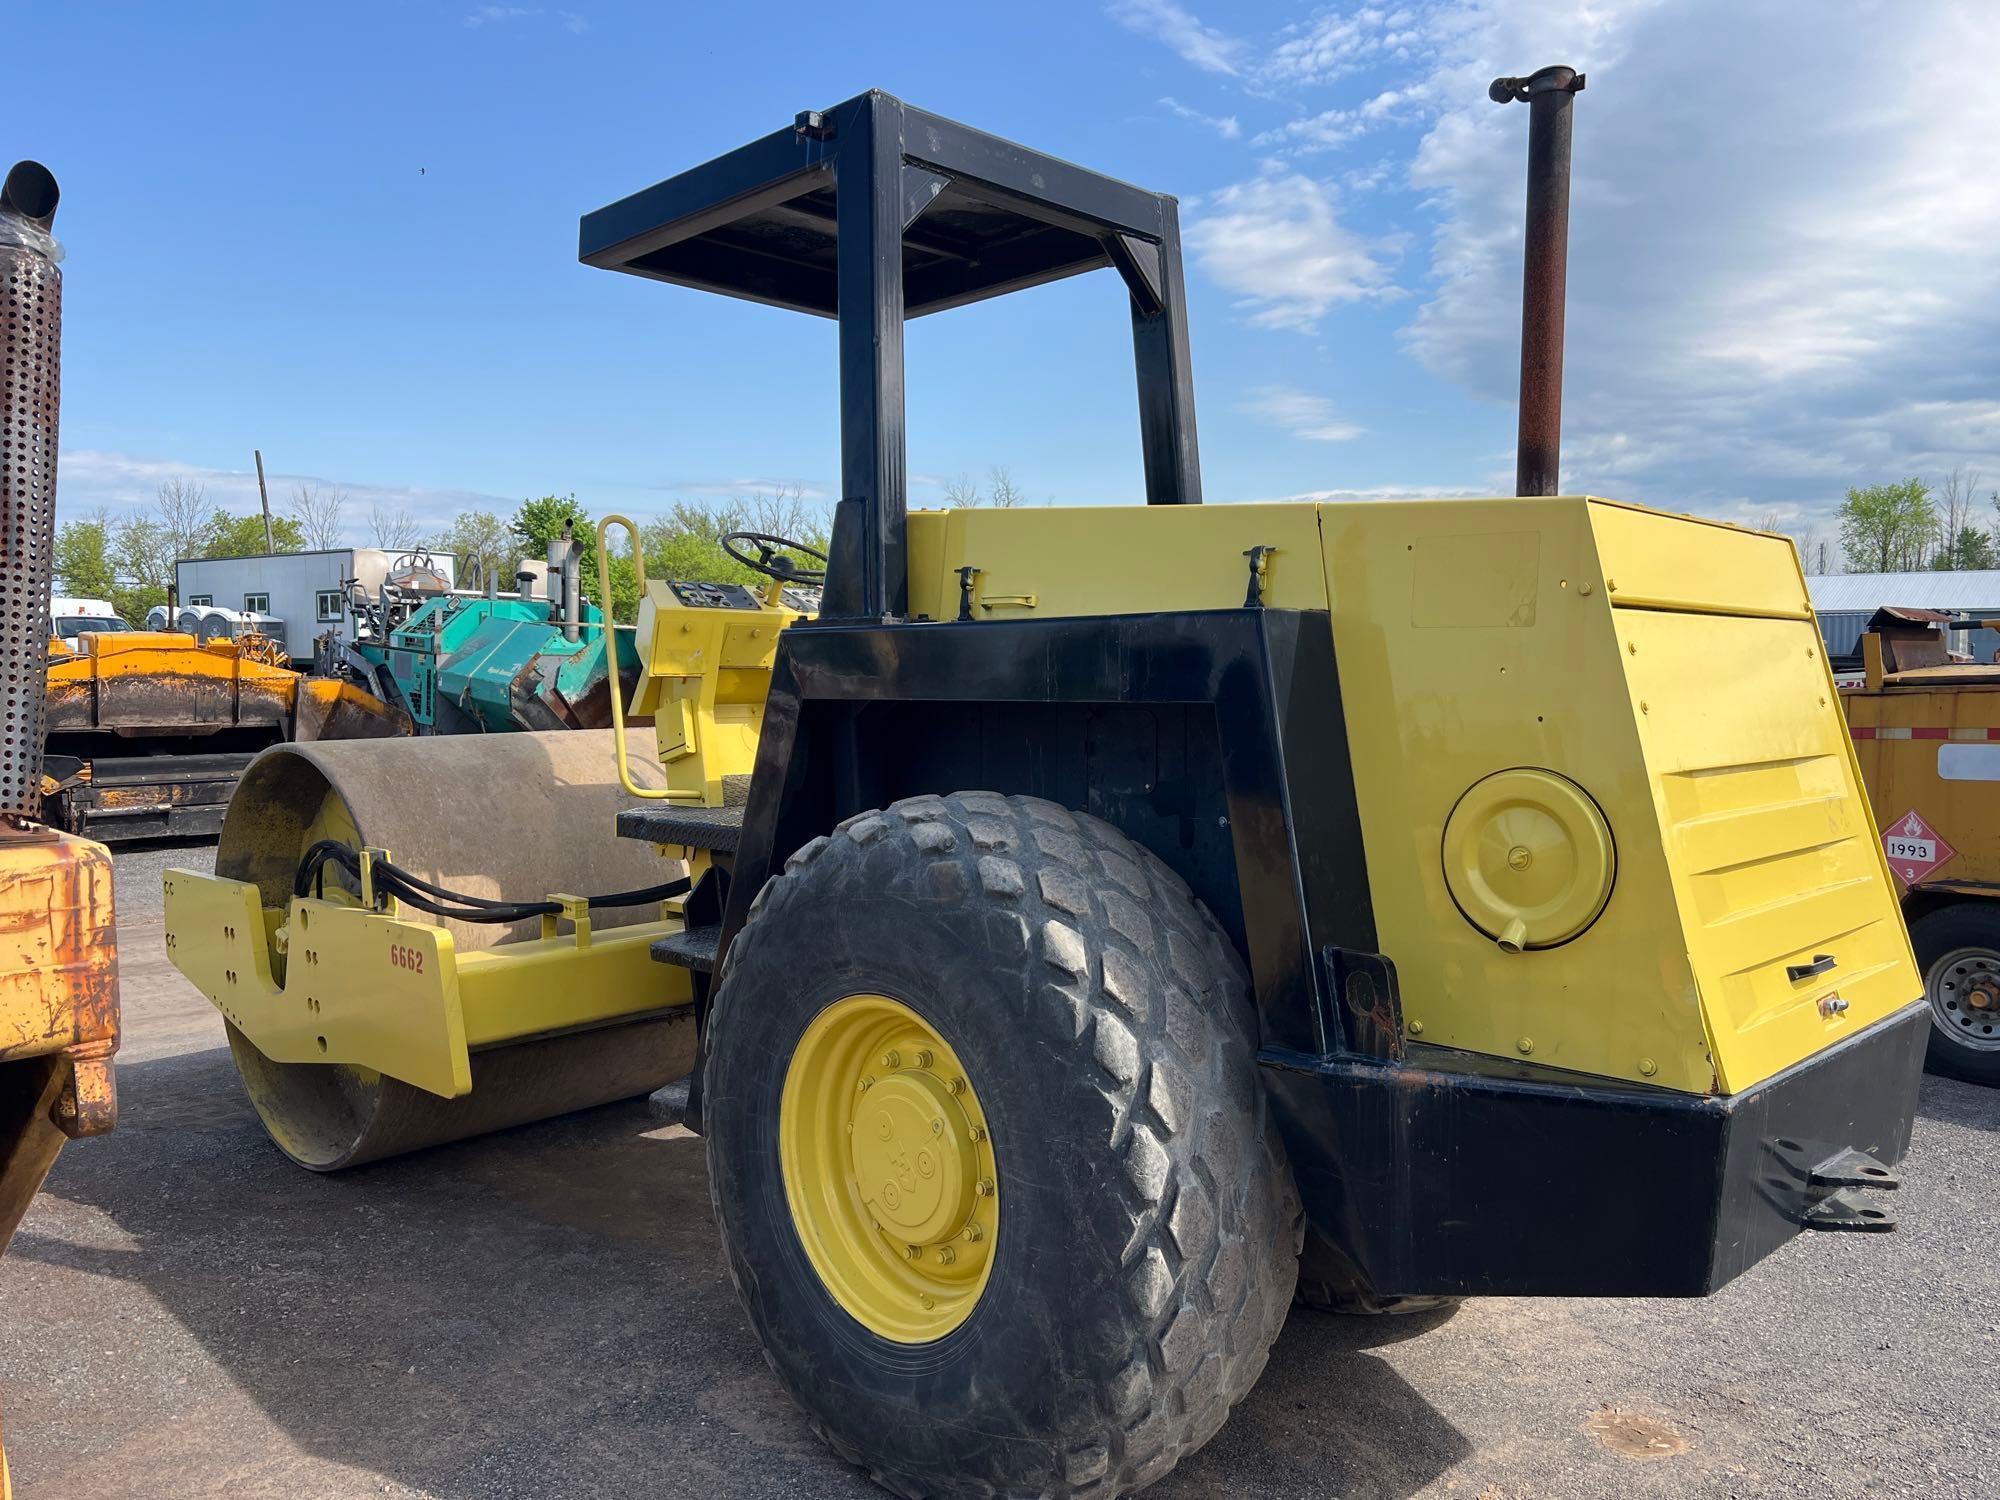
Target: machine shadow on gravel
x=514 y=1315
x=1948 y=1100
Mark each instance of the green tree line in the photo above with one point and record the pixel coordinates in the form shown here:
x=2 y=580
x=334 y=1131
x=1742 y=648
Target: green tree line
x=130 y=560
x=1910 y=526
x=685 y=543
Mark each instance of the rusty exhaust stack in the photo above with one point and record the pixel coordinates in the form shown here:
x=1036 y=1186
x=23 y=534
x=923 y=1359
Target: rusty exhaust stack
x=1544 y=271
x=30 y=399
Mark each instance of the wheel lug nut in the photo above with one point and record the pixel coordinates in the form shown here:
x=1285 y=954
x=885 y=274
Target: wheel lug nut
x=892 y=1058
x=979 y=1132
x=867 y=1083
x=924 y=1057
x=946 y=1255
x=956 y=1086
x=974 y=1234
x=928 y=1301
x=913 y=1252
x=984 y=1187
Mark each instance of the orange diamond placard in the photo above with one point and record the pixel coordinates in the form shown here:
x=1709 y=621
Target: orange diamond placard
x=1914 y=848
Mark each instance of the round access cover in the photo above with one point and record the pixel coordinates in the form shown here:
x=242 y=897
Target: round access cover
x=1528 y=858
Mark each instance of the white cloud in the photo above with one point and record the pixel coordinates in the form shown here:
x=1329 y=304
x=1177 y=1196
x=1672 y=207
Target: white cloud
x=1321 y=132
x=746 y=489
x=1165 y=22
x=1334 y=44
x=123 y=483
x=1778 y=285
x=1277 y=243
x=1226 y=126
x=1382 y=492
x=493 y=15
x=1300 y=413
x=1333 y=128
x=499 y=15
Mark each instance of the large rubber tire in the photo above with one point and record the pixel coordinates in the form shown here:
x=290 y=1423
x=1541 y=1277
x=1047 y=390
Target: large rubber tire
x=1962 y=926
x=1148 y=1227
x=1330 y=1282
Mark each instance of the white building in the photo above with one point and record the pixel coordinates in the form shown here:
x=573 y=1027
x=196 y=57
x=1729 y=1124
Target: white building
x=304 y=590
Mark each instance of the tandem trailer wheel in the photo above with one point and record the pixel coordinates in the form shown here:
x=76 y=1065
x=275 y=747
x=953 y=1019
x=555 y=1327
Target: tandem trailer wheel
x=994 y=1172
x=1958 y=949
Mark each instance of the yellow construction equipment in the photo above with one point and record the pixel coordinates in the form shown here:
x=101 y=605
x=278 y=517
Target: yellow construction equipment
x=363 y=1029
x=149 y=730
x=58 y=946
x=1104 y=924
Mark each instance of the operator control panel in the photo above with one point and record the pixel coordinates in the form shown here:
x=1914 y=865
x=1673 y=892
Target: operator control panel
x=799 y=598
x=715 y=596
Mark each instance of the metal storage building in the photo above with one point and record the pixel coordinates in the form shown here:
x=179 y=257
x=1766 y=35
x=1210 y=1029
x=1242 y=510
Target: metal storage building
x=1844 y=601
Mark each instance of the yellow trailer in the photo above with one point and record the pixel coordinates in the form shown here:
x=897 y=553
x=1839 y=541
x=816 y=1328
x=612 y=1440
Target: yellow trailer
x=1927 y=738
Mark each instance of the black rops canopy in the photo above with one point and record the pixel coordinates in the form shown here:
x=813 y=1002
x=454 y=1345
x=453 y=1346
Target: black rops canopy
x=804 y=219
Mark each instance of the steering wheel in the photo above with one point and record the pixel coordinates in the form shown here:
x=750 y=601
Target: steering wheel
x=770 y=560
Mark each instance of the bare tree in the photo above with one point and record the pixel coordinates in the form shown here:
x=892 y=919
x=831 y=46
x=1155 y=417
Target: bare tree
x=1001 y=489
x=1957 y=494
x=961 y=492
x=784 y=511
x=140 y=552
x=318 y=513
x=393 y=530
x=1816 y=552
x=183 y=506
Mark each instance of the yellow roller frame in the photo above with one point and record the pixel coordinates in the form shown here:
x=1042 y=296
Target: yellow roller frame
x=889 y=1169
x=329 y=982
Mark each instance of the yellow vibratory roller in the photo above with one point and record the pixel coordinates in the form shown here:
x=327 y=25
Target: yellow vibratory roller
x=517 y=817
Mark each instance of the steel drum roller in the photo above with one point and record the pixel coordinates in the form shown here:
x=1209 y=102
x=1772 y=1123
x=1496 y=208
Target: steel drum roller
x=513 y=816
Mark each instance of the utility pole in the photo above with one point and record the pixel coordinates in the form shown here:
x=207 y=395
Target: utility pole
x=264 y=495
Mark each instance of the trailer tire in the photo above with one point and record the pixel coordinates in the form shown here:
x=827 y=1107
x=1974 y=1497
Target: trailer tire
x=1147 y=1226
x=1953 y=942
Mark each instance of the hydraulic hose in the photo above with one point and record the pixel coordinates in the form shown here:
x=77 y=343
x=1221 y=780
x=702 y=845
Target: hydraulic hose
x=459 y=906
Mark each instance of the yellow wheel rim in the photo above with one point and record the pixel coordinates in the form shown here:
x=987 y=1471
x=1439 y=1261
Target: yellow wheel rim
x=889 y=1169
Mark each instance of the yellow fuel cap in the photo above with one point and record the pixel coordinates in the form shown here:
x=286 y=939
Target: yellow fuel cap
x=1528 y=858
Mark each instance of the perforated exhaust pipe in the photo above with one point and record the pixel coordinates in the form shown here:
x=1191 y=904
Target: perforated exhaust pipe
x=1549 y=94
x=30 y=400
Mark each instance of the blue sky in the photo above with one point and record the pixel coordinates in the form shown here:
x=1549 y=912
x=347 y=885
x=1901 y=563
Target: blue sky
x=347 y=235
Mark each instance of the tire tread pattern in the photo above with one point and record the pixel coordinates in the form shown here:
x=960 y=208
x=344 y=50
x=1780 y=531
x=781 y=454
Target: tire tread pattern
x=1158 y=1002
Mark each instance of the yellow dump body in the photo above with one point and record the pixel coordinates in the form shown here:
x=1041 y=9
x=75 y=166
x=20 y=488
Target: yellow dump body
x=1607 y=796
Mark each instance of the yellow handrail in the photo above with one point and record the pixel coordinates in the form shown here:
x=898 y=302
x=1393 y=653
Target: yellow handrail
x=650 y=794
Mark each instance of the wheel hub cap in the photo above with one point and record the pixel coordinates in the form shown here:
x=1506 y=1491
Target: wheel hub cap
x=1964 y=991
x=912 y=1155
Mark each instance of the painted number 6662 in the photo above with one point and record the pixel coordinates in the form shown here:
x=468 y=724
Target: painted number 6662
x=401 y=957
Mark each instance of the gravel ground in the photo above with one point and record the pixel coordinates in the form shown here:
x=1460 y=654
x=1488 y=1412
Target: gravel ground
x=544 y=1313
